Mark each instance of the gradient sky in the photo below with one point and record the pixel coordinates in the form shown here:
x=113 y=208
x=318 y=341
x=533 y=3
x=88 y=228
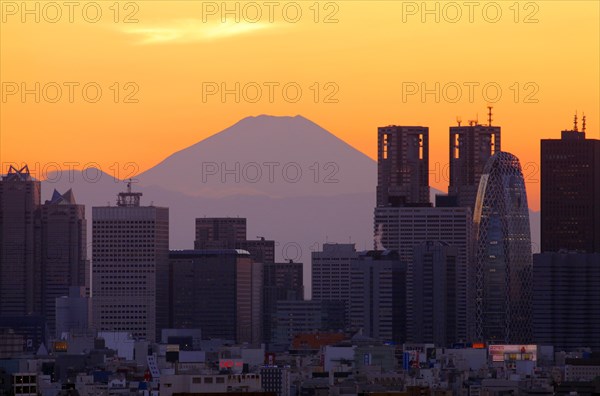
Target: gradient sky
x=177 y=47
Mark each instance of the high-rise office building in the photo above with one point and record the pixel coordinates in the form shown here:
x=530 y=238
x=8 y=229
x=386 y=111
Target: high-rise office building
x=130 y=267
x=219 y=232
x=261 y=250
x=230 y=233
x=281 y=281
x=403 y=166
x=63 y=250
x=217 y=291
x=570 y=192
x=20 y=265
x=330 y=272
x=378 y=296
x=470 y=148
x=566 y=300
x=404 y=228
x=503 y=262
x=433 y=294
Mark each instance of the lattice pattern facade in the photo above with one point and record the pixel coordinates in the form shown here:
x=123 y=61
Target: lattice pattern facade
x=503 y=264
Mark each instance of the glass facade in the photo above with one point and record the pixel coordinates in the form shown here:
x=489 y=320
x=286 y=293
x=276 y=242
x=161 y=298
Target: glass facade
x=503 y=261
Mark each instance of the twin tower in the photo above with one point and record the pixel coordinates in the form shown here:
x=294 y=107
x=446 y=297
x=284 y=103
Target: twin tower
x=469 y=256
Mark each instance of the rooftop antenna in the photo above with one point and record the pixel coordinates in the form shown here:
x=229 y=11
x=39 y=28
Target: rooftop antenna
x=575 y=122
x=490 y=115
x=583 y=123
x=474 y=122
x=129 y=198
x=458 y=120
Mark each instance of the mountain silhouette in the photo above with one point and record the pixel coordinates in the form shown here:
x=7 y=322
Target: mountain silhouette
x=266 y=155
x=333 y=204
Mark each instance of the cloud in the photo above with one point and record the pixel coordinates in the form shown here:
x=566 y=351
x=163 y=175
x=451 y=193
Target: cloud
x=192 y=30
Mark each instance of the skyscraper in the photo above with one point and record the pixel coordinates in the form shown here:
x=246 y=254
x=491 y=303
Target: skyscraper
x=219 y=232
x=130 y=267
x=503 y=253
x=281 y=281
x=570 y=192
x=217 y=291
x=330 y=272
x=470 y=148
x=404 y=228
x=261 y=250
x=63 y=250
x=402 y=166
x=378 y=296
x=433 y=294
x=20 y=265
x=566 y=300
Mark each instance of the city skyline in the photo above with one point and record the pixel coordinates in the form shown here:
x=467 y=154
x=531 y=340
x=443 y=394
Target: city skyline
x=299 y=198
x=439 y=166
x=187 y=35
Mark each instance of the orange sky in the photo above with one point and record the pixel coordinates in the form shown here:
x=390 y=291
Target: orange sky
x=170 y=51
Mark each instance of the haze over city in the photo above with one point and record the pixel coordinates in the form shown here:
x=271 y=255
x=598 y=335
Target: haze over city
x=294 y=198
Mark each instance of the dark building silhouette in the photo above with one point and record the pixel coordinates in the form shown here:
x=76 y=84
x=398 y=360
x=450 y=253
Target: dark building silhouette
x=20 y=265
x=470 y=148
x=378 y=296
x=405 y=228
x=570 y=193
x=434 y=297
x=503 y=267
x=63 y=250
x=261 y=250
x=403 y=166
x=230 y=233
x=217 y=291
x=130 y=269
x=296 y=317
x=331 y=270
x=281 y=281
x=219 y=232
x=566 y=300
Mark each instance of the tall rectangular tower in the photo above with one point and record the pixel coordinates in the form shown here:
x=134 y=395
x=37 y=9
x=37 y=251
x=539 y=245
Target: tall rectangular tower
x=217 y=291
x=281 y=281
x=566 y=300
x=130 y=267
x=20 y=269
x=405 y=228
x=470 y=148
x=570 y=192
x=403 y=166
x=378 y=296
x=63 y=250
x=330 y=273
x=433 y=294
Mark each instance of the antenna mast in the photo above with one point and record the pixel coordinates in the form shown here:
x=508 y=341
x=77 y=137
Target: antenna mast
x=490 y=115
x=129 y=198
x=575 y=122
